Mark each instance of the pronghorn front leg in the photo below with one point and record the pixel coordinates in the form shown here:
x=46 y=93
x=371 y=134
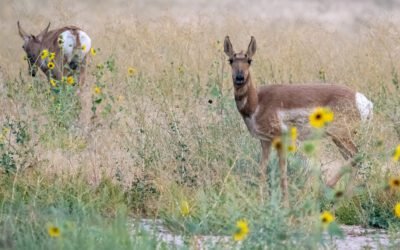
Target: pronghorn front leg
x=283 y=167
x=263 y=167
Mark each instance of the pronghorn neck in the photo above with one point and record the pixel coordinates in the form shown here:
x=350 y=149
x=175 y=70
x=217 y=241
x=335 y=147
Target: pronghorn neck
x=246 y=98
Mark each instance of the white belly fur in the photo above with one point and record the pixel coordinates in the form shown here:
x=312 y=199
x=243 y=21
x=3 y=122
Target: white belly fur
x=297 y=117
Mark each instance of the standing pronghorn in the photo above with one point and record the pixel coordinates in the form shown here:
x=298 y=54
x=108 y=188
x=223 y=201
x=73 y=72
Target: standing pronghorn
x=270 y=110
x=57 y=52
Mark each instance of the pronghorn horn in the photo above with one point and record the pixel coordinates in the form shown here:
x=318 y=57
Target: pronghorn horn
x=228 y=48
x=22 y=32
x=44 y=32
x=251 y=50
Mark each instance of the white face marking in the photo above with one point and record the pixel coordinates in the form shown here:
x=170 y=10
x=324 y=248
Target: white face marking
x=364 y=106
x=86 y=42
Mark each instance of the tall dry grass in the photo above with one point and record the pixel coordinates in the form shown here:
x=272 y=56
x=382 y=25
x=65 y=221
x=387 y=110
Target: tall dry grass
x=172 y=131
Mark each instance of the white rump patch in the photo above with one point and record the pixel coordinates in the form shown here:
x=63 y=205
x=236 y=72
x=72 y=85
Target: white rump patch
x=85 y=42
x=364 y=106
x=70 y=43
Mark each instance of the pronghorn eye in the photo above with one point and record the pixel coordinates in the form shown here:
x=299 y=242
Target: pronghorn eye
x=230 y=60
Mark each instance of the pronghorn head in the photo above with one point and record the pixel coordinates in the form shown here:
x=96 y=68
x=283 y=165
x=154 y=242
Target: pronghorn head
x=240 y=62
x=32 y=46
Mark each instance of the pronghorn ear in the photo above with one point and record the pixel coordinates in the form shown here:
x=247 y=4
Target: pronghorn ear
x=43 y=33
x=22 y=33
x=228 y=48
x=251 y=50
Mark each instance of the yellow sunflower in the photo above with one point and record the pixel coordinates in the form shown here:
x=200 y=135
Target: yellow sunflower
x=185 y=209
x=54 y=231
x=277 y=143
x=293 y=134
x=44 y=54
x=60 y=41
x=320 y=117
x=93 y=52
x=292 y=148
x=97 y=90
x=50 y=65
x=397 y=210
x=394 y=183
x=70 y=80
x=396 y=154
x=52 y=56
x=132 y=71
x=53 y=82
x=242 y=230
x=327 y=218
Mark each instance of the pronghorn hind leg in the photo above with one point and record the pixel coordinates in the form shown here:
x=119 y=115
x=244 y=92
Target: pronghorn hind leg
x=84 y=97
x=284 y=181
x=348 y=150
x=82 y=72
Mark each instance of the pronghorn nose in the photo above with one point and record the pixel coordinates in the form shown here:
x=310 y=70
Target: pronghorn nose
x=73 y=65
x=239 y=77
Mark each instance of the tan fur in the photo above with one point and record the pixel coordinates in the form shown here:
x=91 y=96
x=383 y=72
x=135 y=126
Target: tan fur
x=260 y=109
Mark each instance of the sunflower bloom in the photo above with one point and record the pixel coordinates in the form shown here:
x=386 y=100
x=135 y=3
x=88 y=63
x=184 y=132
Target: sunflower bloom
x=185 y=209
x=394 y=183
x=50 y=65
x=320 y=117
x=293 y=134
x=70 y=80
x=132 y=71
x=242 y=230
x=292 y=148
x=327 y=218
x=93 y=51
x=44 y=54
x=52 y=56
x=397 y=210
x=277 y=143
x=54 y=232
x=97 y=90
x=396 y=154
x=120 y=98
x=60 y=41
x=53 y=82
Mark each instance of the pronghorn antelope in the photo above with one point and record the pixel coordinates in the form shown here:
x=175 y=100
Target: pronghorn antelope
x=270 y=110
x=68 y=45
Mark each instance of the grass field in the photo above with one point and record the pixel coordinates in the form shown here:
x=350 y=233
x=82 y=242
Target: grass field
x=167 y=141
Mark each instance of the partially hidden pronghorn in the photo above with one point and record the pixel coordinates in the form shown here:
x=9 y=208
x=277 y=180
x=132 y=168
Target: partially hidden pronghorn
x=69 y=44
x=270 y=110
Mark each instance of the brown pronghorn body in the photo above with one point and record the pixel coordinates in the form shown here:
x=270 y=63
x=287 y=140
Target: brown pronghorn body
x=271 y=110
x=69 y=44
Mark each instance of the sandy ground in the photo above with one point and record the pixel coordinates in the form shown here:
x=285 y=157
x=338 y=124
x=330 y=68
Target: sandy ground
x=356 y=238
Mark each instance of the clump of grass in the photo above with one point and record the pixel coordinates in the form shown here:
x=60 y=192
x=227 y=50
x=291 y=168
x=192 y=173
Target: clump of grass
x=165 y=132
